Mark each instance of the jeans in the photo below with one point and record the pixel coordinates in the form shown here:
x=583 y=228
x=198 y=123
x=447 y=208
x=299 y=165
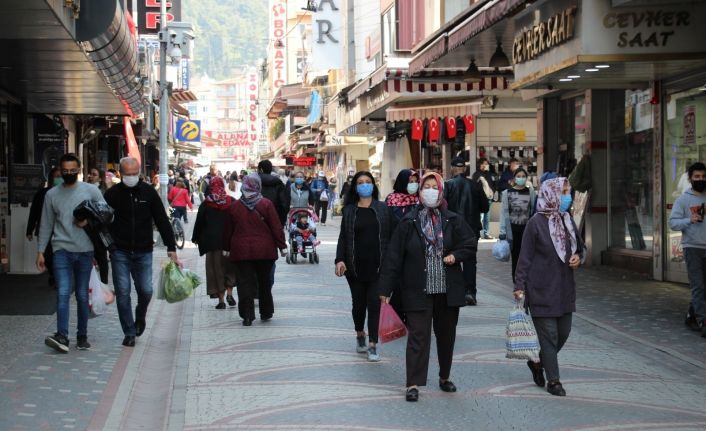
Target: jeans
x=552 y=333
x=72 y=269
x=139 y=266
x=695 y=267
x=485 y=219
x=180 y=213
x=321 y=209
x=300 y=240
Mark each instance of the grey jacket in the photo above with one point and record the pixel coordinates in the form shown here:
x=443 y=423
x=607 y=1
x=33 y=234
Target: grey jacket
x=505 y=212
x=300 y=198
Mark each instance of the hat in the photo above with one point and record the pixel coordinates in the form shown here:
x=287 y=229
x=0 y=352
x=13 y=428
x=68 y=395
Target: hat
x=322 y=174
x=458 y=162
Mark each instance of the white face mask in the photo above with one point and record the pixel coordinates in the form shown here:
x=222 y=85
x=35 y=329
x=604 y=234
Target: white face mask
x=412 y=188
x=131 y=180
x=430 y=198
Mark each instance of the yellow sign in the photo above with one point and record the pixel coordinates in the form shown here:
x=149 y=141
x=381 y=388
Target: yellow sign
x=188 y=131
x=518 y=136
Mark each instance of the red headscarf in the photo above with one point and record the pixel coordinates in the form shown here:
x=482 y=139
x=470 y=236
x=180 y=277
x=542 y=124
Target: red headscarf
x=217 y=196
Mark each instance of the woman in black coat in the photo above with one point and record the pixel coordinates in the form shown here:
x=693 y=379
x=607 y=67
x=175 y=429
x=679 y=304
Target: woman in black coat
x=424 y=259
x=366 y=229
x=208 y=235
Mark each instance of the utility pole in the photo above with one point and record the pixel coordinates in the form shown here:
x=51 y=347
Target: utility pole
x=163 y=103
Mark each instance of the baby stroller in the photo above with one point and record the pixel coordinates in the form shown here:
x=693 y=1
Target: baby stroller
x=309 y=245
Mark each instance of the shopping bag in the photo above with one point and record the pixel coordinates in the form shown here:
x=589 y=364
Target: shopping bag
x=501 y=250
x=177 y=285
x=195 y=280
x=96 y=300
x=160 y=285
x=323 y=197
x=391 y=326
x=521 y=338
x=108 y=295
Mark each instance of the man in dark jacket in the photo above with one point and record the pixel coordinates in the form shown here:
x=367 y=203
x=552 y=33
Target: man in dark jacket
x=466 y=198
x=508 y=175
x=273 y=189
x=137 y=205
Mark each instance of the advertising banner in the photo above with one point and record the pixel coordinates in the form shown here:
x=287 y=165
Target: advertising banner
x=278 y=43
x=328 y=35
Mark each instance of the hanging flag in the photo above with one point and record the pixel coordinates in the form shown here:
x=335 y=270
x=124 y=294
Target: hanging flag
x=417 y=129
x=133 y=150
x=451 y=127
x=469 y=121
x=434 y=131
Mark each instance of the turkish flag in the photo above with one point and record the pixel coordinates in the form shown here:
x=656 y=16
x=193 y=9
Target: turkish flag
x=133 y=150
x=417 y=129
x=451 y=127
x=434 y=130
x=469 y=121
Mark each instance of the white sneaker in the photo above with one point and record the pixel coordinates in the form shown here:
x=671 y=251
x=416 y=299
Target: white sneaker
x=373 y=355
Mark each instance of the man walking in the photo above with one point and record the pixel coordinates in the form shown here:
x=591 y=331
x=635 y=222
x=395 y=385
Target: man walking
x=137 y=205
x=273 y=189
x=320 y=188
x=73 y=251
x=465 y=197
x=508 y=175
x=688 y=217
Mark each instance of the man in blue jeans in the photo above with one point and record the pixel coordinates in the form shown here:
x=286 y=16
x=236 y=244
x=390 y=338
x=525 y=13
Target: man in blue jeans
x=137 y=205
x=73 y=251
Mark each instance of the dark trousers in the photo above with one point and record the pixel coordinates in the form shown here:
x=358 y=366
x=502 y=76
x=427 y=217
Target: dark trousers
x=180 y=213
x=101 y=257
x=254 y=279
x=517 y=231
x=365 y=299
x=552 y=333
x=419 y=323
x=321 y=209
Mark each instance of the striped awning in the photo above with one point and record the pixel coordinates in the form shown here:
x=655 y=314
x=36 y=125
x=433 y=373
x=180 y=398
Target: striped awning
x=182 y=96
x=432 y=111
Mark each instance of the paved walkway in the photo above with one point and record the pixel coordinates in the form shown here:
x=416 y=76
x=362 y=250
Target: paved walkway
x=198 y=368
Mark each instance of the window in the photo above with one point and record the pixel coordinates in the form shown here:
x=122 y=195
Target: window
x=389 y=33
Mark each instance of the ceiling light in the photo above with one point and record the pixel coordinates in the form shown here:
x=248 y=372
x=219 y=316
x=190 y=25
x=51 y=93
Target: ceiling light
x=592 y=70
x=602 y=66
x=566 y=80
x=574 y=76
x=472 y=74
x=499 y=59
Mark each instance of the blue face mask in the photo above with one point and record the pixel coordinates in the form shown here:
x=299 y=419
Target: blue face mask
x=364 y=190
x=299 y=181
x=565 y=203
x=521 y=181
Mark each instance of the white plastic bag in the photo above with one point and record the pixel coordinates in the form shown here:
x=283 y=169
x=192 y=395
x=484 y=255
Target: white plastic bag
x=96 y=298
x=501 y=250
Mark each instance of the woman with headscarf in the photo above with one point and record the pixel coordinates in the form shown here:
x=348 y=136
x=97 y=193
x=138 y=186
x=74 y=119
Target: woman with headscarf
x=404 y=196
x=518 y=205
x=208 y=235
x=251 y=236
x=366 y=227
x=551 y=250
x=424 y=259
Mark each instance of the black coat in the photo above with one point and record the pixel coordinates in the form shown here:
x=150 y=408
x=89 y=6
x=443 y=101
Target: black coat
x=346 y=238
x=405 y=261
x=208 y=228
x=274 y=190
x=466 y=198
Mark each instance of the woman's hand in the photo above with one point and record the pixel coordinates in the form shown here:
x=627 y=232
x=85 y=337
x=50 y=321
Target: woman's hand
x=450 y=260
x=283 y=252
x=340 y=269
x=574 y=261
x=519 y=294
x=385 y=299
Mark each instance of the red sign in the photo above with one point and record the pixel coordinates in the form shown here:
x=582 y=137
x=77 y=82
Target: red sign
x=230 y=139
x=148 y=14
x=305 y=161
x=278 y=37
x=133 y=150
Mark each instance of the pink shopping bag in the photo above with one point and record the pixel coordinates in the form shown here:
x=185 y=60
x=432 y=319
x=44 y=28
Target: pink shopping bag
x=391 y=326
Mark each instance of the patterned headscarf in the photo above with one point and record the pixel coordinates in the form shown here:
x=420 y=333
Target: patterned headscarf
x=400 y=197
x=430 y=218
x=217 y=196
x=548 y=203
x=252 y=190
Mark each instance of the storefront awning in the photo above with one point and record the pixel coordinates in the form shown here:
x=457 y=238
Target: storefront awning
x=408 y=113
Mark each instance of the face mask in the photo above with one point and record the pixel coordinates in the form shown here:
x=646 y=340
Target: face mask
x=698 y=185
x=58 y=181
x=131 y=180
x=412 y=188
x=521 y=181
x=299 y=181
x=565 y=203
x=70 y=179
x=484 y=168
x=430 y=198
x=364 y=190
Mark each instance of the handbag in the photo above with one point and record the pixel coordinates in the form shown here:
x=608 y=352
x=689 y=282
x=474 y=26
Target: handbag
x=390 y=325
x=323 y=197
x=521 y=338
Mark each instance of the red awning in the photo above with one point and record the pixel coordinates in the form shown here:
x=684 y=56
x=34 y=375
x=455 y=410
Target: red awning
x=435 y=81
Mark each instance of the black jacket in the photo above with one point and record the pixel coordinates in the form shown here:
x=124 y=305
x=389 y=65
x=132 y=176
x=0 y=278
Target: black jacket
x=405 y=261
x=35 y=211
x=273 y=189
x=485 y=174
x=346 y=238
x=135 y=210
x=465 y=197
x=208 y=229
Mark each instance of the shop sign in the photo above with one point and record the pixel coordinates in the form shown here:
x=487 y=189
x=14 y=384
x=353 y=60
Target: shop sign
x=278 y=39
x=148 y=14
x=539 y=38
x=25 y=181
x=188 y=130
x=689 y=125
x=305 y=161
x=253 y=115
x=518 y=136
x=327 y=28
x=230 y=139
x=646 y=28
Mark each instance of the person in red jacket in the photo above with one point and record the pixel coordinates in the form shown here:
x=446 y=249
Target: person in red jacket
x=251 y=236
x=179 y=199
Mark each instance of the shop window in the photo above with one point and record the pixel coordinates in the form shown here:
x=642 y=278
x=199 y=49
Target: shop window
x=572 y=133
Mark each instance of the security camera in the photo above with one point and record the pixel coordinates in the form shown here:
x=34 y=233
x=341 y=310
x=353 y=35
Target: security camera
x=175 y=54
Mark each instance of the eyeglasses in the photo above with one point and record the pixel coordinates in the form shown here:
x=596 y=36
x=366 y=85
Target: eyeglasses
x=71 y=172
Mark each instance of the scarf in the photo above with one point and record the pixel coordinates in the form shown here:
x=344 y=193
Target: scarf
x=217 y=197
x=251 y=189
x=559 y=223
x=401 y=200
x=433 y=231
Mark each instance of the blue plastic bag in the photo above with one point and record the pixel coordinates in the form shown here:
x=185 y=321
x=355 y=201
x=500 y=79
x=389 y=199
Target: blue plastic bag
x=501 y=250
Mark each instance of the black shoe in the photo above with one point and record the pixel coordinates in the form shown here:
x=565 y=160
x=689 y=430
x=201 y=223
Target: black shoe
x=537 y=373
x=447 y=386
x=58 y=342
x=140 y=327
x=360 y=345
x=82 y=343
x=703 y=329
x=412 y=394
x=247 y=322
x=471 y=299
x=556 y=389
x=266 y=318
x=221 y=306
x=231 y=300
x=129 y=341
